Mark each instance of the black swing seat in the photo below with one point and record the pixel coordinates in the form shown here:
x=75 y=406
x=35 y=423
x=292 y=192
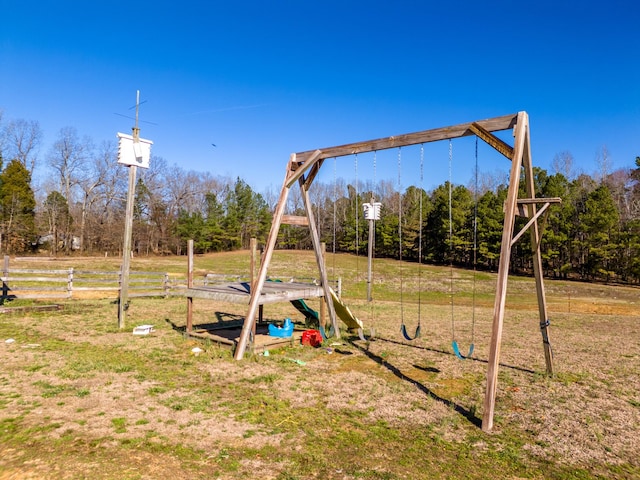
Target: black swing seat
x=406 y=335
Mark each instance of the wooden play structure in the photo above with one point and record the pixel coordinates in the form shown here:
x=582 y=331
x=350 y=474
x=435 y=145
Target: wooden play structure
x=294 y=291
x=302 y=169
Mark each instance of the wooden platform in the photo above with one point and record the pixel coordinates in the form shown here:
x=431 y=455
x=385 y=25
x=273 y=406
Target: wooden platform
x=228 y=336
x=228 y=333
x=240 y=292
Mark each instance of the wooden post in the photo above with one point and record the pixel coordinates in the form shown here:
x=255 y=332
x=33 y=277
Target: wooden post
x=5 y=274
x=189 y=285
x=536 y=235
x=253 y=243
x=165 y=285
x=370 y=256
x=315 y=240
x=123 y=302
x=322 y=321
x=70 y=283
x=521 y=131
x=250 y=317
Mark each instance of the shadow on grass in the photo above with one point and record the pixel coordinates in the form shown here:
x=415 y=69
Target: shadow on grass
x=468 y=414
x=224 y=321
x=444 y=352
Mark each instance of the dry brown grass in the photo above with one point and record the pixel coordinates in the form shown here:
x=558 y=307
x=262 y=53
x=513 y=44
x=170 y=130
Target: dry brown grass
x=77 y=393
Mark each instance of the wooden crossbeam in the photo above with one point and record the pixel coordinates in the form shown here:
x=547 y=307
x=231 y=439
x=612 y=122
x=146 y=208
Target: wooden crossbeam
x=523 y=210
x=533 y=201
x=295 y=220
x=426 y=136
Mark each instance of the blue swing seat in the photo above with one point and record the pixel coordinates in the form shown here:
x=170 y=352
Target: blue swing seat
x=456 y=350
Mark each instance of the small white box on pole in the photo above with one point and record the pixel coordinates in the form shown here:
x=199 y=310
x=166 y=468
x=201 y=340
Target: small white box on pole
x=133 y=153
x=372 y=210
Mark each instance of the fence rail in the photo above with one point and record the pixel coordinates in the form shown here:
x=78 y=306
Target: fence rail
x=22 y=283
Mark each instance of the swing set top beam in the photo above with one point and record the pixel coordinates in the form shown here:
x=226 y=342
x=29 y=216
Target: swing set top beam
x=444 y=133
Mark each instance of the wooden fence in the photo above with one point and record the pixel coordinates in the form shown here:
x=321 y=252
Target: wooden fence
x=26 y=283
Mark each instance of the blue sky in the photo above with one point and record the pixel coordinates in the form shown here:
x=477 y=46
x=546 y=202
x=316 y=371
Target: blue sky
x=264 y=79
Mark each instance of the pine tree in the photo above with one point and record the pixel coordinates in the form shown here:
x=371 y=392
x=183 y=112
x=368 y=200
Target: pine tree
x=17 y=209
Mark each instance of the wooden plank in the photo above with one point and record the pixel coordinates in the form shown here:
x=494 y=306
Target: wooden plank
x=38 y=296
x=297 y=220
x=41 y=271
x=35 y=279
x=18 y=288
x=426 y=136
x=534 y=201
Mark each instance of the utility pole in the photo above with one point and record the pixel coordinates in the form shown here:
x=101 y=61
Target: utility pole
x=371 y=213
x=133 y=152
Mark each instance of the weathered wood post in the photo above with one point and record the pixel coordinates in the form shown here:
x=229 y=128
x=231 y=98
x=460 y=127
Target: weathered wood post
x=322 y=321
x=70 y=283
x=189 y=285
x=5 y=280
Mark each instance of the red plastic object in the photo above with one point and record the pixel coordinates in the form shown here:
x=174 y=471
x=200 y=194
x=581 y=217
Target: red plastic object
x=311 y=338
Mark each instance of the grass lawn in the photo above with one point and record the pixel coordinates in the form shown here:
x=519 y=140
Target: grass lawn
x=80 y=398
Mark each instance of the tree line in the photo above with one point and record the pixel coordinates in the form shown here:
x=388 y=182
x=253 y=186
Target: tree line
x=79 y=206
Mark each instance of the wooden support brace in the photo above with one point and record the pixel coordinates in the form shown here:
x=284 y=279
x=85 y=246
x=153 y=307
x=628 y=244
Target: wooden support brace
x=529 y=223
x=312 y=173
x=492 y=140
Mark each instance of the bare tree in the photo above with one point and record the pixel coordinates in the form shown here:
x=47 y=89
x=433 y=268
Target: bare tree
x=91 y=180
x=68 y=158
x=105 y=211
x=605 y=163
x=563 y=163
x=21 y=140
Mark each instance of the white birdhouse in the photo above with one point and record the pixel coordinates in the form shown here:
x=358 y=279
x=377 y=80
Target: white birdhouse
x=135 y=153
x=372 y=210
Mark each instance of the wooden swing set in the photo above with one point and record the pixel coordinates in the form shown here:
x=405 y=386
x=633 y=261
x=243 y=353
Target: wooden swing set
x=302 y=168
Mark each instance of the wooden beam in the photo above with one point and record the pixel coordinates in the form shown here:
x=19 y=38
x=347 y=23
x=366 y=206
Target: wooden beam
x=462 y=130
x=530 y=201
x=521 y=133
x=485 y=135
x=312 y=173
x=317 y=248
x=298 y=220
x=537 y=260
x=270 y=246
